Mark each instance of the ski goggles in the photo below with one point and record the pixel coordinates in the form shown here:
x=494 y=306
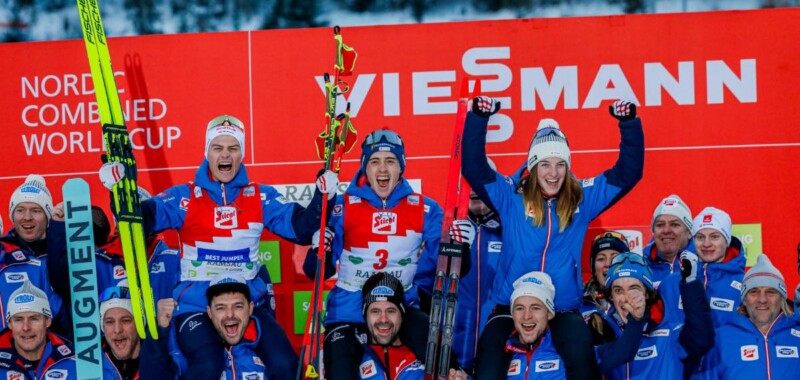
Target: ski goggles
x=610 y=234
x=630 y=257
x=383 y=136
x=221 y=120
x=550 y=131
x=115 y=292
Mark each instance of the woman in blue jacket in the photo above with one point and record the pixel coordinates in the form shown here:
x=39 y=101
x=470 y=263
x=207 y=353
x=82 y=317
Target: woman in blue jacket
x=545 y=217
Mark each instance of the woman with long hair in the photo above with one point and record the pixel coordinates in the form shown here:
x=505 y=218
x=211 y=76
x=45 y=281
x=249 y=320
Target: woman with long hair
x=545 y=217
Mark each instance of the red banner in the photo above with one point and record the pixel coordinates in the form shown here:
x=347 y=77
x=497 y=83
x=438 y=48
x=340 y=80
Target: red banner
x=717 y=93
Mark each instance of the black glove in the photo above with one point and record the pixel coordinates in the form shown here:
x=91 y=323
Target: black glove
x=485 y=106
x=688 y=266
x=622 y=110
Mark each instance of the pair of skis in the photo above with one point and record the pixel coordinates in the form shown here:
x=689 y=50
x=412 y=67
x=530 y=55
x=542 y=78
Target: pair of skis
x=118 y=148
x=337 y=138
x=448 y=266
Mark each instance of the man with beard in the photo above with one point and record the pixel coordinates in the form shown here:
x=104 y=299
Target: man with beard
x=385 y=355
x=230 y=309
x=30 y=209
x=121 y=342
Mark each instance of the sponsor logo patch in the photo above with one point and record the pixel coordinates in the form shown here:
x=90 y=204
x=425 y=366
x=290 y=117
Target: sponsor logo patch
x=16 y=277
x=707 y=218
x=253 y=375
x=646 y=353
x=749 y=352
x=514 y=367
x=5 y=355
x=158 y=268
x=184 y=205
x=413 y=200
x=427 y=208
x=119 y=272
x=721 y=304
x=495 y=246
x=257 y=361
x=382 y=291
x=24 y=298
x=354 y=200
x=337 y=210
x=660 y=332
x=198 y=192
x=384 y=223
x=282 y=200
x=19 y=256
x=796 y=333
x=786 y=351
x=736 y=285
x=547 y=365
x=249 y=191
x=64 y=350
x=56 y=374
x=588 y=182
x=225 y=217
x=14 y=375
x=367 y=369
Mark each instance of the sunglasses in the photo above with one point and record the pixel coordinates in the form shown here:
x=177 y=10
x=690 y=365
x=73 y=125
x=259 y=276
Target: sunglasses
x=221 y=120
x=630 y=257
x=610 y=234
x=115 y=292
x=383 y=135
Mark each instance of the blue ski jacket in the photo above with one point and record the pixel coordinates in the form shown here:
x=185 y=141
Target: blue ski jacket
x=661 y=267
x=288 y=220
x=723 y=282
x=743 y=352
x=165 y=360
x=538 y=361
x=16 y=266
x=529 y=248
x=57 y=362
x=373 y=367
x=658 y=348
x=474 y=305
x=345 y=305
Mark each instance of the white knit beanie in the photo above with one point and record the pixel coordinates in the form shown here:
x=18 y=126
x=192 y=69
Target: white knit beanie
x=548 y=145
x=537 y=285
x=116 y=296
x=763 y=274
x=673 y=205
x=28 y=298
x=715 y=219
x=35 y=191
x=217 y=127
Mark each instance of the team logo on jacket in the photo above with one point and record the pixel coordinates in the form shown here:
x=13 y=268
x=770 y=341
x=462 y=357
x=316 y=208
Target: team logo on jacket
x=659 y=332
x=796 y=333
x=721 y=304
x=367 y=369
x=337 y=210
x=547 y=365
x=786 y=351
x=646 y=353
x=14 y=375
x=384 y=223
x=16 y=277
x=56 y=374
x=158 y=268
x=119 y=272
x=588 y=182
x=354 y=199
x=514 y=367
x=225 y=217
x=198 y=192
x=64 y=350
x=19 y=256
x=184 y=205
x=253 y=375
x=413 y=200
x=736 y=285
x=749 y=352
x=249 y=191
x=258 y=361
x=495 y=246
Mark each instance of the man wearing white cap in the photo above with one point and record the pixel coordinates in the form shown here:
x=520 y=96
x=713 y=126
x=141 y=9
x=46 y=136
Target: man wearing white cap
x=672 y=234
x=230 y=309
x=722 y=262
x=530 y=347
x=220 y=217
x=30 y=209
x=762 y=341
x=121 y=342
x=28 y=350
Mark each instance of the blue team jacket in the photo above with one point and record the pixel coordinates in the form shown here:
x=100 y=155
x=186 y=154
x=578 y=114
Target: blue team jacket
x=539 y=361
x=528 y=248
x=345 y=306
x=16 y=266
x=723 y=282
x=660 y=267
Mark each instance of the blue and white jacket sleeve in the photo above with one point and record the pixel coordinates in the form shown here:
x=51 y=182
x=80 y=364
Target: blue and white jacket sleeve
x=290 y=220
x=164 y=211
x=474 y=167
x=431 y=234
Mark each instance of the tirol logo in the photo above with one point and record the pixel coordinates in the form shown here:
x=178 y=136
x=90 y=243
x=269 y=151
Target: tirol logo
x=707 y=218
x=24 y=298
x=384 y=223
x=749 y=352
x=225 y=217
x=382 y=291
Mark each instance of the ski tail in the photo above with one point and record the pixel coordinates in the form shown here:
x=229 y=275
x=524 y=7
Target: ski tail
x=117 y=144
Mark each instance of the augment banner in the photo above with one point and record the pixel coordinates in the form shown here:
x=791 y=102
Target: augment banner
x=717 y=93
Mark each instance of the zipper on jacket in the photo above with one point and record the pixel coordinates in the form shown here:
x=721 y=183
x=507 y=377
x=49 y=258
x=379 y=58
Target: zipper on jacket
x=388 y=371
x=224 y=197
x=229 y=351
x=549 y=228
